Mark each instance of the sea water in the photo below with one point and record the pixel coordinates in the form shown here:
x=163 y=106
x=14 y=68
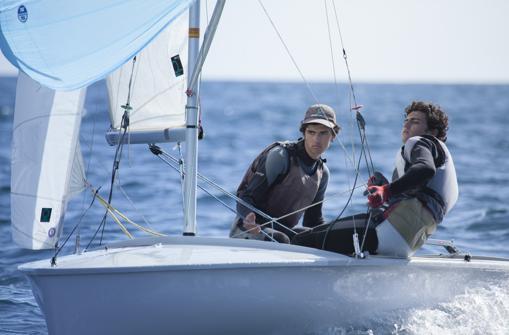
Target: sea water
x=239 y=120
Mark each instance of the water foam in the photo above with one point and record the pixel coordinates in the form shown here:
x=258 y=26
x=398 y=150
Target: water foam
x=478 y=311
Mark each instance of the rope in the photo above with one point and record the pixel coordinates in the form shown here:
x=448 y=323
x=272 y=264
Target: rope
x=344 y=207
x=303 y=209
x=366 y=230
x=118 y=154
x=158 y=151
x=365 y=150
x=114 y=212
x=201 y=187
x=54 y=258
x=124 y=192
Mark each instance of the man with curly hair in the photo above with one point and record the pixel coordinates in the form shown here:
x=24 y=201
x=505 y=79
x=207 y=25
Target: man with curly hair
x=406 y=211
x=424 y=186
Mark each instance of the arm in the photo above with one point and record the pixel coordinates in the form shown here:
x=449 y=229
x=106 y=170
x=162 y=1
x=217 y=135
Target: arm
x=421 y=167
x=419 y=155
x=313 y=216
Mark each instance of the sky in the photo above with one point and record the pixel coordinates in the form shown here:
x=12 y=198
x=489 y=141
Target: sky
x=430 y=41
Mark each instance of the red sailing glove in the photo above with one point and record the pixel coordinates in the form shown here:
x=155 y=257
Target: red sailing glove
x=371 y=181
x=377 y=179
x=378 y=195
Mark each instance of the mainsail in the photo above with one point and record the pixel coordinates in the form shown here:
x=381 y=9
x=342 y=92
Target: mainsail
x=46 y=161
x=69 y=44
x=156 y=81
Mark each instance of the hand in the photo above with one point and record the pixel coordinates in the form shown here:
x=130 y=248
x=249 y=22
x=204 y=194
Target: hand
x=249 y=223
x=377 y=179
x=378 y=195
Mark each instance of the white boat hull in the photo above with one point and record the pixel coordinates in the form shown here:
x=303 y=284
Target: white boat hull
x=192 y=285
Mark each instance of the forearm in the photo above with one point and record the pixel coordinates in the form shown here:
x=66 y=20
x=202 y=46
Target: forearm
x=421 y=170
x=415 y=177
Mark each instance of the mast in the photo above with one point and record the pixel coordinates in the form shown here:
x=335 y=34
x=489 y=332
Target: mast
x=196 y=58
x=191 y=162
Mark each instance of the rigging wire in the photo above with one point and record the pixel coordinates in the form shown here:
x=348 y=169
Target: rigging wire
x=309 y=206
x=158 y=152
x=57 y=251
x=331 y=226
x=347 y=156
x=356 y=107
x=288 y=51
x=118 y=154
x=170 y=160
x=336 y=84
x=165 y=160
x=365 y=151
x=292 y=58
x=128 y=198
x=333 y=62
x=362 y=133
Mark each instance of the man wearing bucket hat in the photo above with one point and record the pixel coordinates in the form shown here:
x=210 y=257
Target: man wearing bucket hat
x=286 y=181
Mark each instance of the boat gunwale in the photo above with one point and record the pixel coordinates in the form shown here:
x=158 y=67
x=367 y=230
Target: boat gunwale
x=324 y=259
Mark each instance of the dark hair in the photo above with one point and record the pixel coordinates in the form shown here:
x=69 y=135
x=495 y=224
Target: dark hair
x=436 y=118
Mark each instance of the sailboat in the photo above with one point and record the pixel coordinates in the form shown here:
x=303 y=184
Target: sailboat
x=185 y=284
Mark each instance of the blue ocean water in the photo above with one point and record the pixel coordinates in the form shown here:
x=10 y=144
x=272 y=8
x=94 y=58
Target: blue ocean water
x=241 y=118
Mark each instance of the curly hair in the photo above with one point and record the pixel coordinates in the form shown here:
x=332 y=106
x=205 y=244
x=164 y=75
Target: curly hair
x=437 y=119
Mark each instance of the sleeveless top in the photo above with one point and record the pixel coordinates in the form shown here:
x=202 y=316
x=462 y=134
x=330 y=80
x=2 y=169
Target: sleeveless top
x=440 y=193
x=293 y=191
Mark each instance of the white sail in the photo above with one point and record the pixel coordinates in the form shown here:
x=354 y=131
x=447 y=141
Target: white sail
x=70 y=44
x=46 y=162
x=157 y=94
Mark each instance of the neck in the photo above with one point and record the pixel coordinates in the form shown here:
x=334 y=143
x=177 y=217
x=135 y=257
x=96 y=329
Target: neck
x=304 y=155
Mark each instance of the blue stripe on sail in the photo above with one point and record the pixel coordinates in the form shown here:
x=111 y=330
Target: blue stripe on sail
x=66 y=44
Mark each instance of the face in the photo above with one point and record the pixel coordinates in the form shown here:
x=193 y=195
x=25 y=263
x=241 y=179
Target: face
x=415 y=124
x=317 y=139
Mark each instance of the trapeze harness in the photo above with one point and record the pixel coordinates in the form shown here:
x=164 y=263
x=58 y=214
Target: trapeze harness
x=413 y=212
x=297 y=186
